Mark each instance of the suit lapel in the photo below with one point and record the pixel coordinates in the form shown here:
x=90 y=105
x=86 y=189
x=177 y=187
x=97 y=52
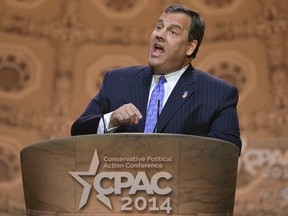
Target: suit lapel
x=140 y=92
x=184 y=88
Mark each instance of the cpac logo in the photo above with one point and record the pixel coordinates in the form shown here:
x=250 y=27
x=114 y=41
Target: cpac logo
x=121 y=180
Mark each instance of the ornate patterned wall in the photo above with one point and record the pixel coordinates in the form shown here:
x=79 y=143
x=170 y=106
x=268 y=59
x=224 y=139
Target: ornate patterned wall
x=53 y=55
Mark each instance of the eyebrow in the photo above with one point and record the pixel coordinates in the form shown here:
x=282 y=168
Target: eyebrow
x=173 y=25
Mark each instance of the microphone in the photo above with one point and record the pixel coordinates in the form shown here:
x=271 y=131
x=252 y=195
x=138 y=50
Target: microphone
x=102 y=115
x=158 y=114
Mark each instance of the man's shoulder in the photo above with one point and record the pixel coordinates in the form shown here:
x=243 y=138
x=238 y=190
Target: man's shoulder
x=130 y=70
x=207 y=78
x=127 y=74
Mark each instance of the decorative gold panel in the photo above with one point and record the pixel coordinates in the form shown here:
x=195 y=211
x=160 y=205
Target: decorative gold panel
x=54 y=53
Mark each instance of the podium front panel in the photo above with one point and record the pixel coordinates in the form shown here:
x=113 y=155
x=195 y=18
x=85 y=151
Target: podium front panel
x=130 y=174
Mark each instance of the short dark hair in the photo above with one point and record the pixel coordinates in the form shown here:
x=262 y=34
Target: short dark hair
x=197 y=25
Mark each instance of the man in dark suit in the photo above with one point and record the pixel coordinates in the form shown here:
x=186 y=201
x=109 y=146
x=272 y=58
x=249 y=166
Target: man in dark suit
x=194 y=102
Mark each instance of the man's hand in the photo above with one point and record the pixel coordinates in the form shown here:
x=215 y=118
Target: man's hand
x=127 y=114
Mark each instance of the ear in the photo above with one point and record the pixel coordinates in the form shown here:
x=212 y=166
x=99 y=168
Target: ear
x=191 y=47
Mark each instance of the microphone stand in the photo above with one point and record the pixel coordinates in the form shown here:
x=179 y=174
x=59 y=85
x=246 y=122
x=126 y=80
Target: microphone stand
x=102 y=115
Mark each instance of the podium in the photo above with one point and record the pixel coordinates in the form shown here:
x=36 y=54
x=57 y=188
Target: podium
x=130 y=174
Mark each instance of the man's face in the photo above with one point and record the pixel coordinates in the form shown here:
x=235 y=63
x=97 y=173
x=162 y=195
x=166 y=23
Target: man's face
x=169 y=46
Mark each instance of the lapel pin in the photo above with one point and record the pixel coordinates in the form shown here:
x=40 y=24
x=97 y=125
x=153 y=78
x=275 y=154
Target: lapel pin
x=185 y=94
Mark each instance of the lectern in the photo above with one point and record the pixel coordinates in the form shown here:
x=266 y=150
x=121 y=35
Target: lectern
x=130 y=174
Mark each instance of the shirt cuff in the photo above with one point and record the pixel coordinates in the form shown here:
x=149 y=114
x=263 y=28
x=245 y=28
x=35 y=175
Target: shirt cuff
x=101 y=127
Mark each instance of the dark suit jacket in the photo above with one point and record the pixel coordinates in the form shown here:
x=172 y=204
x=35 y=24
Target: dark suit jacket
x=209 y=109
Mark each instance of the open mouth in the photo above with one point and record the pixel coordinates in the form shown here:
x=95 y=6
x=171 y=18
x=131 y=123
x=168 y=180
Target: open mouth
x=157 y=50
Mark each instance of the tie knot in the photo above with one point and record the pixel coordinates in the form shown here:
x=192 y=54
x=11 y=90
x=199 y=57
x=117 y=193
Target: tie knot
x=162 y=79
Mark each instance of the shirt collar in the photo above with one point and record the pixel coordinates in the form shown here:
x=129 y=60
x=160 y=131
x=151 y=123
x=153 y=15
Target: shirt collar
x=171 y=78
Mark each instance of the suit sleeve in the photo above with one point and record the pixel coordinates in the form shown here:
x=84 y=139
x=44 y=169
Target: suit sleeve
x=88 y=122
x=225 y=123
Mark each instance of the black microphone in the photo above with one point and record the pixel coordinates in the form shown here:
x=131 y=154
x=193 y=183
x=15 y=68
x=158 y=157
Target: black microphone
x=158 y=114
x=102 y=115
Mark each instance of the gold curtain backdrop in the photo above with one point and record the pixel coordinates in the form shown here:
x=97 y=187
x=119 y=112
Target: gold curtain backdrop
x=54 y=53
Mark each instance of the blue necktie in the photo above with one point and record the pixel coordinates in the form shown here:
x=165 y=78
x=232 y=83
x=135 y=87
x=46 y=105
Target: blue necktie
x=155 y=106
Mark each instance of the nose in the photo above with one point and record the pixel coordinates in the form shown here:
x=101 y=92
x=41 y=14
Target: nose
x=160 y=35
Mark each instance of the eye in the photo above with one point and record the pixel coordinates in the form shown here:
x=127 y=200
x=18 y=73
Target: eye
x=158 y=27
x=174 y=32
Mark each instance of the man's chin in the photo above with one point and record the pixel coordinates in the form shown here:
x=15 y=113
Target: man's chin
x=153 y=65
x=154 y=62
x=157 y=69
